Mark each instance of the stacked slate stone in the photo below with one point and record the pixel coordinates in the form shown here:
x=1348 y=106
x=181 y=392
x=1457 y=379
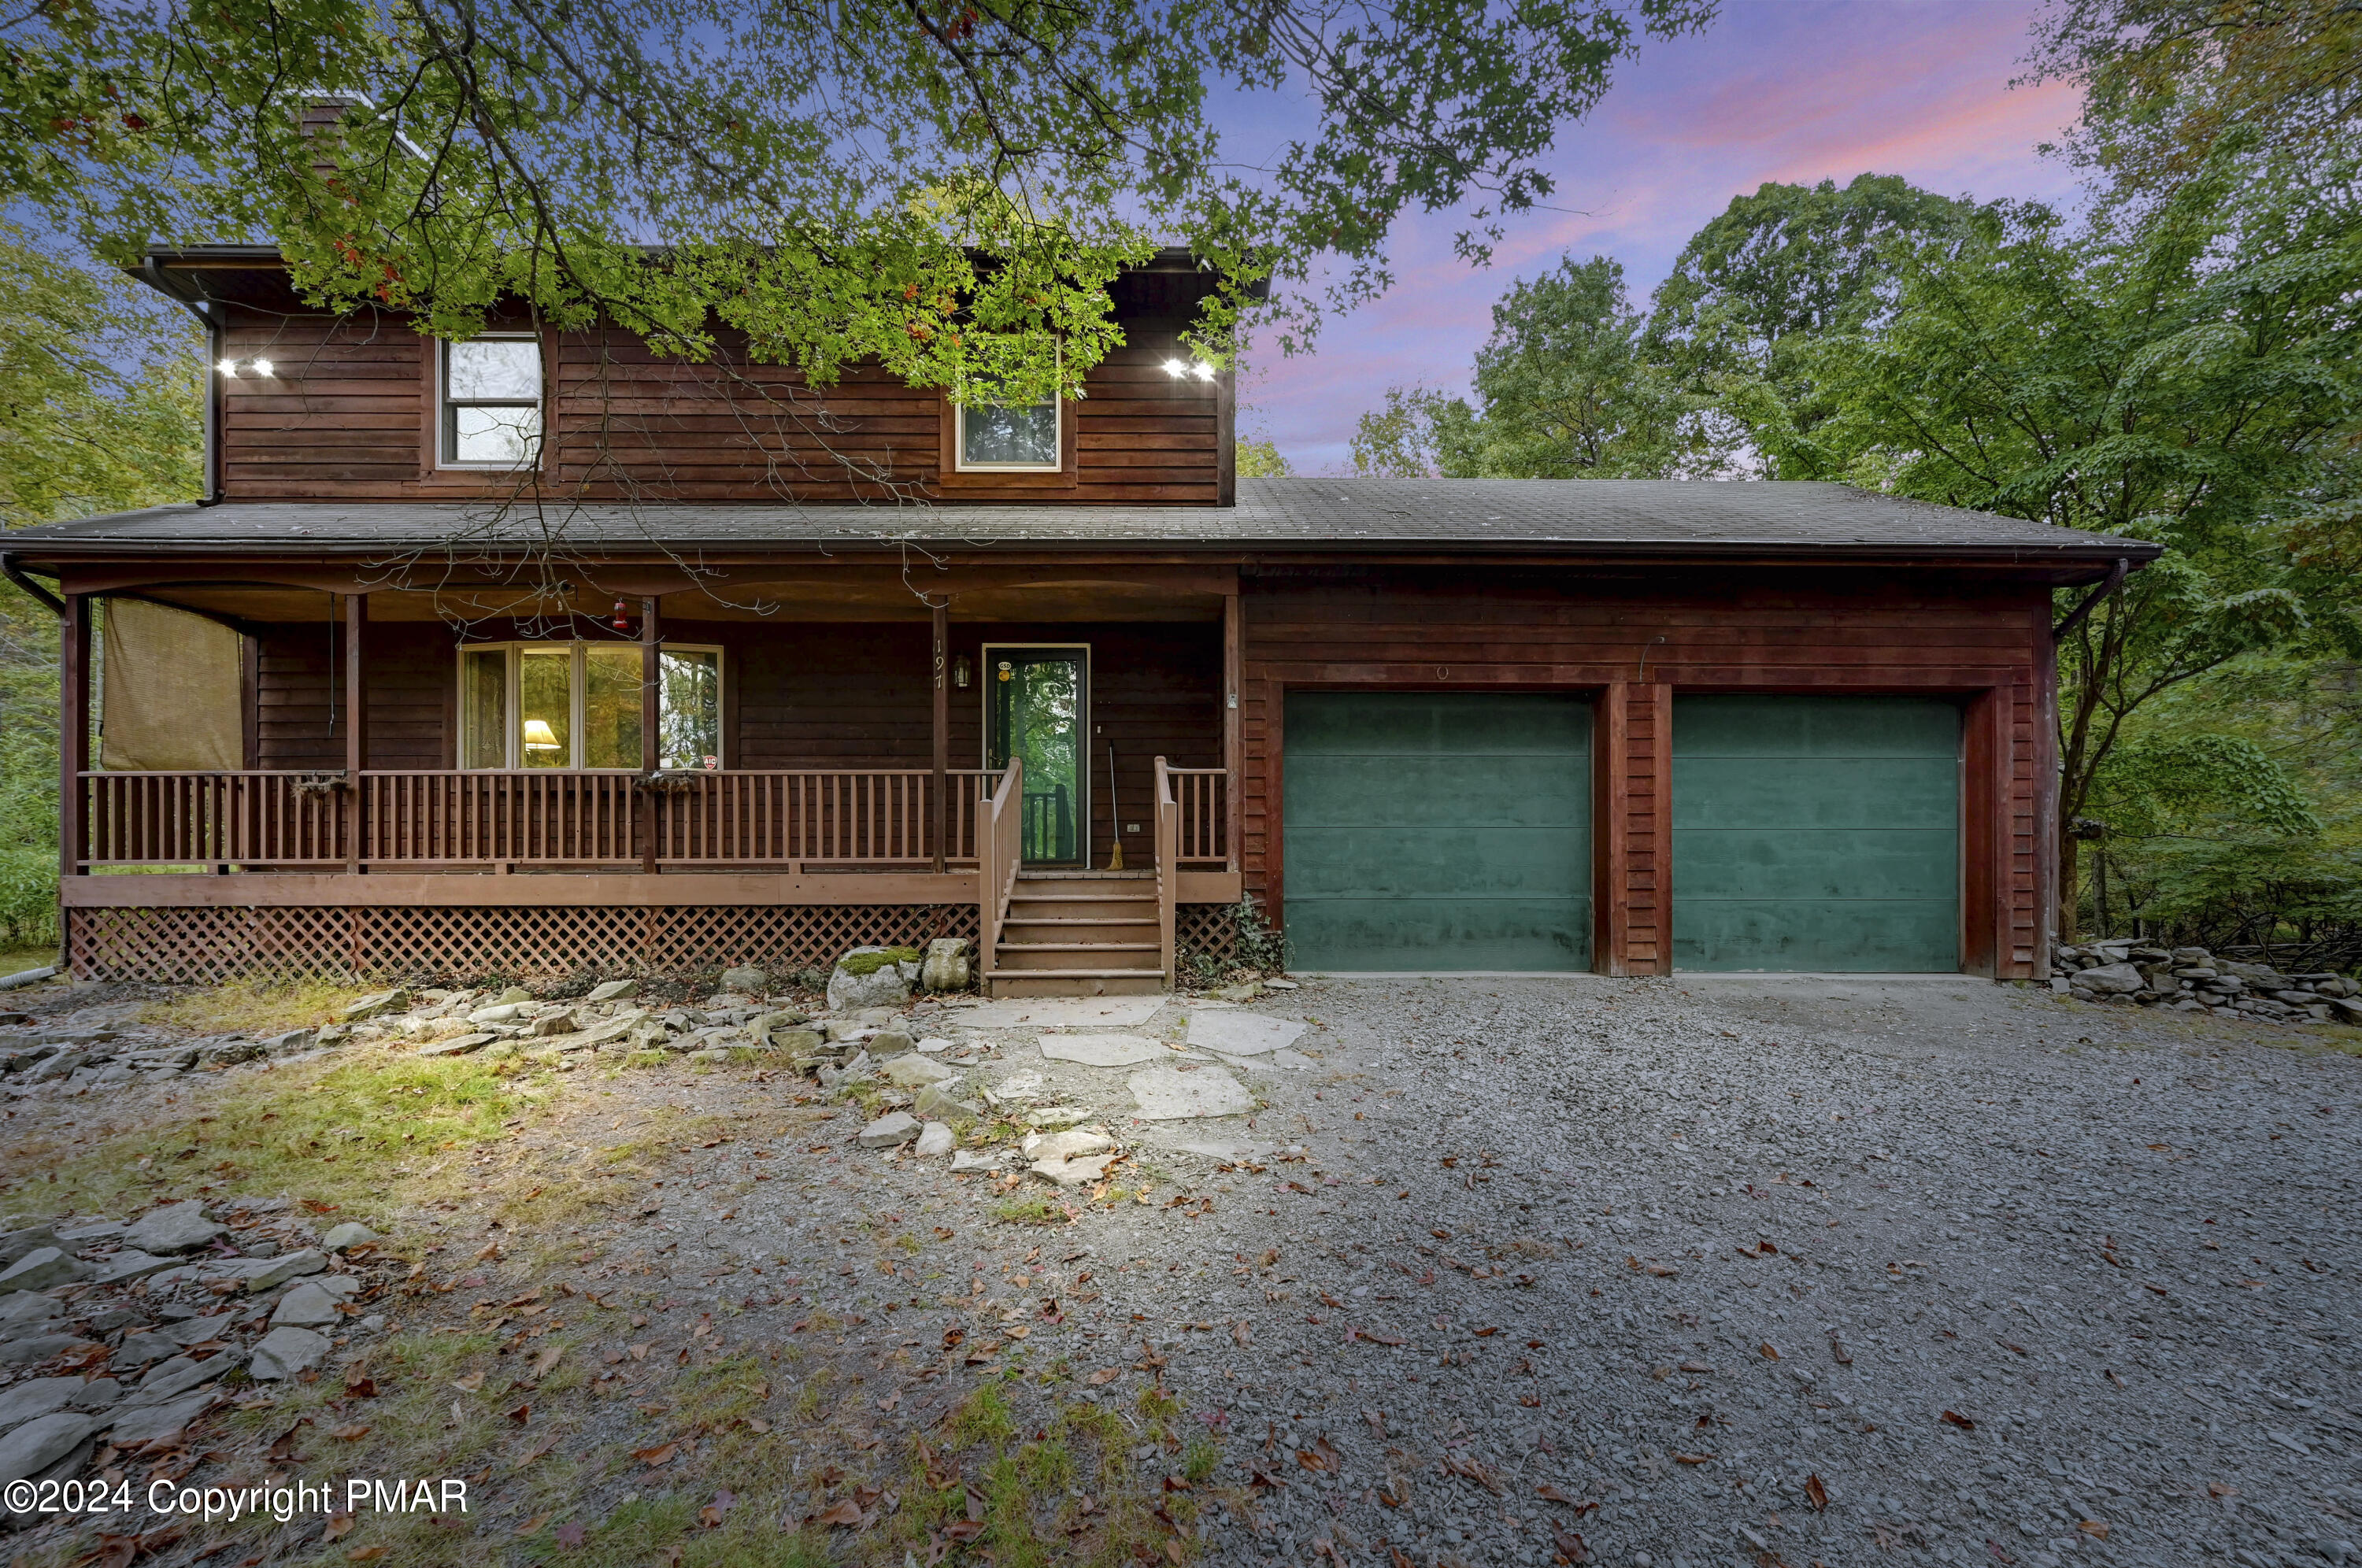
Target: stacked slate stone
x=2191 y=979
x=117 y=1337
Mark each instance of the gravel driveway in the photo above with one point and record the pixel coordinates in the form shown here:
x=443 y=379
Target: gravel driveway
x=2017 y=1280
x=1666 y=1274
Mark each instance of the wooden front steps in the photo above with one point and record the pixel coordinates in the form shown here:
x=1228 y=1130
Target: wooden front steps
x=1090 y=933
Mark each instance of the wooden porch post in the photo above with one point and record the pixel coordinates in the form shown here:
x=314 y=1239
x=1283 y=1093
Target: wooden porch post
x=1234 y=751
x=73 y=738
x=1611 y=844
x=651 y=722
x=942 y=723
x=356 y=725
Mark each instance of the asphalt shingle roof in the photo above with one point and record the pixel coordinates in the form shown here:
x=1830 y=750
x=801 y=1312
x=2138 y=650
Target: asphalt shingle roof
x=1296 y=516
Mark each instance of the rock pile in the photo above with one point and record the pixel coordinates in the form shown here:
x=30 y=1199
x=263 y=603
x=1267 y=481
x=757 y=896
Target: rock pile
x=2191 y=979
x=116 y=1336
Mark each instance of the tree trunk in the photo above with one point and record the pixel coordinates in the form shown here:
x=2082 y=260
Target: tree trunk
x=2070 y=892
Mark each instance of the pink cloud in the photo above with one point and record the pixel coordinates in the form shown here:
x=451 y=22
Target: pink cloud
x=1791 y=92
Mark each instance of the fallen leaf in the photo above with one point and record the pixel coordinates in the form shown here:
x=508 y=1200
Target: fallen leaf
x=569 y=1535
x=1818 y=1494
x=842 y=1512
x=1959 y=1420
x=491 y=1250
x=1243 y=1332
x=338 y=1528
x=533 y=1524
x=538 y=1450
x=367 y=1553
x=2096 y=1528
x=1104 y=1375
x=548 y=1358
x=468 y=1384
x=653 y=1457
x=520 y=1415
x=1768 y=1352
x=359 y=1384
x=1570 y=1545
x=350 y=1434
x=713 y=1512
x=1696 y=1366
x=1691 y=1458
x=1486 y=1333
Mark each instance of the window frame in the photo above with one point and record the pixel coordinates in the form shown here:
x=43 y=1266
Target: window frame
x=447 y=407
x=578 y=688
x=1057 y=462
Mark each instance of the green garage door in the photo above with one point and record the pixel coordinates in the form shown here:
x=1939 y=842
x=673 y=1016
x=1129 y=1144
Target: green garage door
x=1816 y=833
x=1437 y=831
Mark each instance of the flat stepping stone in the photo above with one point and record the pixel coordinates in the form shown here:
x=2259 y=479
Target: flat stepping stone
x=1062 y=1012
x=1164 y=1095
x=1102 y=1050
x=1243 y=1033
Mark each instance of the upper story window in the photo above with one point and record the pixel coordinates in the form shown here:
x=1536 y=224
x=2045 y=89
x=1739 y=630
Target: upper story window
x=1008 y=437
x=490 y=395
x=537 y=705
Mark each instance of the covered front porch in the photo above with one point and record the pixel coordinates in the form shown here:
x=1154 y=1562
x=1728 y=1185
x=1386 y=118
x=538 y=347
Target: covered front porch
x=646 y=768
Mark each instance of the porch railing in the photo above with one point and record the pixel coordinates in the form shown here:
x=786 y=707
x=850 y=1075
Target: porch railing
x=811 y=817
x=1202 y=814
x=1168 y=868
x=396 y=819
x=213 y=820
x=538 y=818
x=1000 y=849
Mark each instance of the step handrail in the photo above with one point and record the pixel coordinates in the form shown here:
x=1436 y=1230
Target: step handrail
x=1000 y=848
x=1168 y=868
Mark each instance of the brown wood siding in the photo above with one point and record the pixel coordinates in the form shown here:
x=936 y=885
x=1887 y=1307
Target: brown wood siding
x=410 y=673
x=347 y=411
x=1346 y=629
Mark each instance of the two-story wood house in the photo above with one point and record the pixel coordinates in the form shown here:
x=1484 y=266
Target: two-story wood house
x=540 y=652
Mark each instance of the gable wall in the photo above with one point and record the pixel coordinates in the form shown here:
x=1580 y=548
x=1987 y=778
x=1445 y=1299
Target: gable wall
x=346 y=414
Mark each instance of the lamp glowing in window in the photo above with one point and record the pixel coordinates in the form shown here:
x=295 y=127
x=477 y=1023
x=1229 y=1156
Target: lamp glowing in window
x=538 y=736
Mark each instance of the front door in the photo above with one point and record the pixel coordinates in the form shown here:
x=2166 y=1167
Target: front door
x=1036 y=703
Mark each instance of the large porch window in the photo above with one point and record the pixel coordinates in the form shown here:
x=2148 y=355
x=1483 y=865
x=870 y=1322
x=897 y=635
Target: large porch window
x=576 y=706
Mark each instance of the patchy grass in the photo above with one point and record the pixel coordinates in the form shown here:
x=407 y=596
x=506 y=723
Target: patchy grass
x=254 y=1007
x=1031 y=1209
x=369 y=1128
x=16 y=960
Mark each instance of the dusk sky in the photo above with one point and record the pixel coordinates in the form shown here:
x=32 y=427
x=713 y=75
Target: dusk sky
x=1787 y=90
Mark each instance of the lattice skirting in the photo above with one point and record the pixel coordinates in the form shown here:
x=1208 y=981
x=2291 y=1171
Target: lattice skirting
x=196 y=946
x=1211 y=928
x=200 y=945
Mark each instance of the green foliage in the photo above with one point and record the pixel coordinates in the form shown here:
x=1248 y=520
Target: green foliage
x=1260 y=946
x=1787 y=264
x=946 y=192
x=1262 y=459
x=2164 y=81
x=99 y=412
x=1562 y=392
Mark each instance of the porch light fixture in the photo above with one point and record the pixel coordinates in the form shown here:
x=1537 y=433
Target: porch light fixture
x=232 y=367
x=960 y=672
x=1182 y=370
x=538 y=736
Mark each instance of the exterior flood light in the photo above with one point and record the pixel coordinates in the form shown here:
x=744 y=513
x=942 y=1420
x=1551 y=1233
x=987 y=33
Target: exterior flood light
x=261 y=367
x=1173 y=367
x=1205 y=372
x=232 y=367
x=1182 y=370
